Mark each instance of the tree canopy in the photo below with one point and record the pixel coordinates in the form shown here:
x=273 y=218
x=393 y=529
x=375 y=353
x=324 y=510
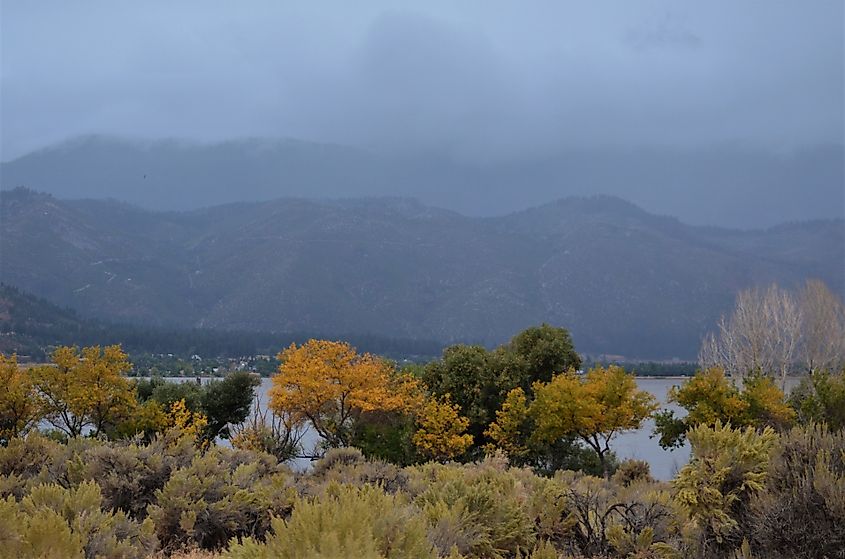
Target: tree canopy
x=592 y=409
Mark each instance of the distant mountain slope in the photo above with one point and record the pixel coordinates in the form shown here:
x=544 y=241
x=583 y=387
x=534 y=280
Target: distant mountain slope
x=623 y=280
x=727 y=186
x=31 y=327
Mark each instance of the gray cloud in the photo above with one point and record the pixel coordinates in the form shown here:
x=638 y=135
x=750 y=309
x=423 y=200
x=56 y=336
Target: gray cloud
x=717 y=112
x=474 y=80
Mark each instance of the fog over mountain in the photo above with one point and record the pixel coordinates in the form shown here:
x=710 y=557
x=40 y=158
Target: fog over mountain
x=740 y=188
x=726 y=113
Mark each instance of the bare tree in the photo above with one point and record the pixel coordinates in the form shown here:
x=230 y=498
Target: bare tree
x=761 y=335
x=822 y=328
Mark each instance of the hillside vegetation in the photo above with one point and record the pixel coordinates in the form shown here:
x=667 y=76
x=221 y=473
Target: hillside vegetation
x=626 y=282
x=32 y=327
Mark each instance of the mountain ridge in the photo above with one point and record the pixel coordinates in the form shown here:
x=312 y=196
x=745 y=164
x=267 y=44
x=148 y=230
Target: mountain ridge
x=623 y=280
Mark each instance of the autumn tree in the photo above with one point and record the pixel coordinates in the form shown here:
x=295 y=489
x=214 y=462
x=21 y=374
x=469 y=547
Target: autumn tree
x=592 y=409
x=440 y=433
x=710 y=397
x=329 y=385
x=18 y=405
x=84 y=388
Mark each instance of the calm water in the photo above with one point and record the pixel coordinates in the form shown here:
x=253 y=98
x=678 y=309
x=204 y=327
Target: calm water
x=637 y=444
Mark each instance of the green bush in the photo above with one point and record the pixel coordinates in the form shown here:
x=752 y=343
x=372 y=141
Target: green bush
x=480 y=510
x=388 y=476
x=361 y=522
x=800 y=512
x=630 y=471
x=221 y=495
x=337 y=458
x=52 y=521
x=728 y=467
x=130 y=474
x=820 y=398
x=601 y=518
x=23 y=461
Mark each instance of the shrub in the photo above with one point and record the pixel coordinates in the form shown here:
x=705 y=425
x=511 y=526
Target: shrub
x=221 y=495
x=24 y=459
x=597 y=516
x=481 y=510
x=268 y=433
x=799 y=514
x=337 y=457
x=346 y=521
x=388 y=476
x=630 y=471
x=130 y=474
x=56 y=522
x=727 y=468
x=821 y=398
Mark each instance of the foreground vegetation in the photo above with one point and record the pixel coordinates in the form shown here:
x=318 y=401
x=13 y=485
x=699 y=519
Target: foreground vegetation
x=744 y=494
x=499 y=453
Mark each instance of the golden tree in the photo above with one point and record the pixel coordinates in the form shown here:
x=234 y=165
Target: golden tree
x=187 y=423
x=440 y=433
x=18 y=406
x=329 y=385
x=709 y=396
x=84 y=388
x=594 y=409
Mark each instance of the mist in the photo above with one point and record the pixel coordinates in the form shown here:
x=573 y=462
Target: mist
x=477 y=84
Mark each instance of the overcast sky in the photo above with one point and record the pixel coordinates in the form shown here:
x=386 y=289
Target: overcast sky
x=475 y=79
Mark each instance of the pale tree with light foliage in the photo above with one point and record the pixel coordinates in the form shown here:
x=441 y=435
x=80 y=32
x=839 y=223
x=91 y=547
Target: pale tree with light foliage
x=823 y=328
x=761 y=336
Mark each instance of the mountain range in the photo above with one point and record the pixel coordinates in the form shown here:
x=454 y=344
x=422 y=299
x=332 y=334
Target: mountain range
x=726 y=186
x=624 y=281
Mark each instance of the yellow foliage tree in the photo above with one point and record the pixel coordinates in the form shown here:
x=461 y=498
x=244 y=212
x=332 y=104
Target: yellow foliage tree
x=329 y=385
x=18 y=406
x=440 y=433
x=187 y=423
x=84 y=388
x=147 y=419
x=593 y=409
x=710 y=396
x=508 y=431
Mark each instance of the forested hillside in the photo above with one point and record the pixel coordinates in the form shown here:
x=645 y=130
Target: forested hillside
x=622 y=280
x=31 y=327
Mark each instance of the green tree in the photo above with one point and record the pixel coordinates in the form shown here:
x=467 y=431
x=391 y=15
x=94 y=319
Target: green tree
x=228 y=402
x=820 y=397
x=469 y=375
x=545 y=351
x=478 y=380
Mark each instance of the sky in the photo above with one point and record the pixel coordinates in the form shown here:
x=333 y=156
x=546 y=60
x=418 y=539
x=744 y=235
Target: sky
x=476 y=80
